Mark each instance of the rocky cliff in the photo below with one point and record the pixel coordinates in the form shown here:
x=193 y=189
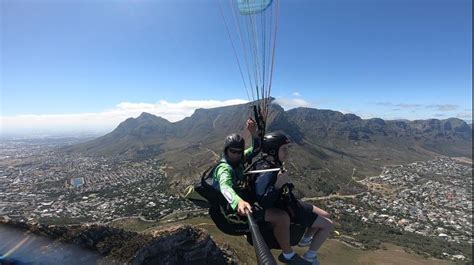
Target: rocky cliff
x=178 y=244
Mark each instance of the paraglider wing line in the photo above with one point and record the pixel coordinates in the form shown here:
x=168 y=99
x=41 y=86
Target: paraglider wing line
x=244 y=48
x=233 y=48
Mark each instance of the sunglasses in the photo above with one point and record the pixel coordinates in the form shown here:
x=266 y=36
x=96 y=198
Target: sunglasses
x=235 y=151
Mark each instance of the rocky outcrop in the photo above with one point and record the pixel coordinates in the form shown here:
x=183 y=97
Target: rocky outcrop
x=178 y=244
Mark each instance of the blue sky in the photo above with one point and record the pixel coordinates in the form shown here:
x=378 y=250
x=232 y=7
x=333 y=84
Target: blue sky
x=409 y=59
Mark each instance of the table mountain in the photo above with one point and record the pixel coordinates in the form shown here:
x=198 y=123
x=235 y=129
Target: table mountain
x=329 y=147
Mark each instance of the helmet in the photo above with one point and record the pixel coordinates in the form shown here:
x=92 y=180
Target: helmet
x=272 y=143
x=234 y=141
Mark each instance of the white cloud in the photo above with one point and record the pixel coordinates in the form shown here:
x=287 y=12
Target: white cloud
x=296 y=94
x=361 y=114
x=464 y=115
x=291 y=103
x=444 y=107
x=107 y=119
x=437 y=107
x=399 y=105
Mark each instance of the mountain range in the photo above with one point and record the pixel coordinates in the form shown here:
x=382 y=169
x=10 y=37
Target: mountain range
x=330 y=149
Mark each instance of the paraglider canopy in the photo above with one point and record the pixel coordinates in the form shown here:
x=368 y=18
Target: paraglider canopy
x=248 y=7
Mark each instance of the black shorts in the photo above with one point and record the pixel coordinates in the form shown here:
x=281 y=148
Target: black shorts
x=302 y=214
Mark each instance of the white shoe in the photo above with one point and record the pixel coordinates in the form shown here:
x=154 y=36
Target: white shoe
x=314 y=261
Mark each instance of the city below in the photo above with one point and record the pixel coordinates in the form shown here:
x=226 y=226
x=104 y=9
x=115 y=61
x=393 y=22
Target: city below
x=38 y=183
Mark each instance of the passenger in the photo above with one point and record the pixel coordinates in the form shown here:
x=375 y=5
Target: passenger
x=273 y=192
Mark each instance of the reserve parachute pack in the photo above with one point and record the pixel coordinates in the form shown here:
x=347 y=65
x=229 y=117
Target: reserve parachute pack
x=204 y=195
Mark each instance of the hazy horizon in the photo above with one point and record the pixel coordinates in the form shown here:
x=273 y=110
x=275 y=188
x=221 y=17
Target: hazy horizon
x=106 y=122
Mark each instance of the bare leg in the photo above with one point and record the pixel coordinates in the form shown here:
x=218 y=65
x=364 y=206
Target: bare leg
x=324 y=226
x=281 y=227
x=312 y=230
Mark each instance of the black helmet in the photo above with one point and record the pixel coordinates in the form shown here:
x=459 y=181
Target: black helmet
x=272 y=143
x=234 y=141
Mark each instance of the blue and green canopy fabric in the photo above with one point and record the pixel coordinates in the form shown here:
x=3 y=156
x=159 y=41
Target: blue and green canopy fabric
x=248 y=7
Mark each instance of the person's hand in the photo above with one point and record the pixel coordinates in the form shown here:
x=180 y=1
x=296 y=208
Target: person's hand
x=243 y=207
x=282 y=179
x=252 y=127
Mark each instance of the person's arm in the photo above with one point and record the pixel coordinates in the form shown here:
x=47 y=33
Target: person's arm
x=223 y=176
x=252 y=151
x=266 y=192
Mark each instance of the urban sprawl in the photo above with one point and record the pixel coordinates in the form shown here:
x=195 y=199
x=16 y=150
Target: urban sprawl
x=430 y=198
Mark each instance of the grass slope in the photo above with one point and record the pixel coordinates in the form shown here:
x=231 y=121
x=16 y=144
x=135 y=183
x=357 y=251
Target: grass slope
x=333 y=252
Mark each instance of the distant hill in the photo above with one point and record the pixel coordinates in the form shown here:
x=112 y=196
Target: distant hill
x=329 y=146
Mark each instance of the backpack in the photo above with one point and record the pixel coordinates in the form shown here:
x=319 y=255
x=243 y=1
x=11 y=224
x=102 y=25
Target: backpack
x=204 y=195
